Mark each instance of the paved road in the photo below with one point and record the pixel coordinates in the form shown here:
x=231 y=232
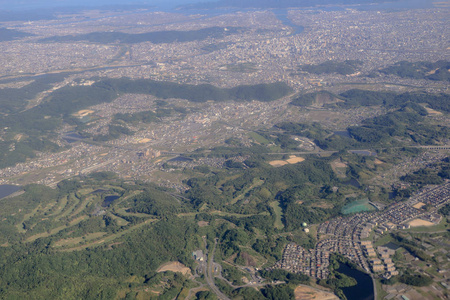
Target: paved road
x=209 y=275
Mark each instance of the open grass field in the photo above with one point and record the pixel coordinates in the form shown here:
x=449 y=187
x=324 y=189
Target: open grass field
x=279 y=214
x=110 y=238
x=256 y=183
x=19 y=226
x=78 y=240
x=442 y=226
x=259 y=138
x=72 y=202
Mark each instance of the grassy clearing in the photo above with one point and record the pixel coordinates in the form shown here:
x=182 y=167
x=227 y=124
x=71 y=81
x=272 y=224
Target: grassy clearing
x=278 y=214
x=380 y=292
x=119 y=220
x=111 y=237
x=221 y=213
x=19 y=226
x=80 y=207
x=259 y=138
x=78 y=240
x=54 y=230
x=62 y=204
x=78 y=220
x=122 y=212
x=225 y=180
x=386 y=238
x=442 y=226
x=121 y=199
x=256 y=183
x=70 y=207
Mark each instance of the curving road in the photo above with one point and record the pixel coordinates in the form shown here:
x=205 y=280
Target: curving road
x=210 y=277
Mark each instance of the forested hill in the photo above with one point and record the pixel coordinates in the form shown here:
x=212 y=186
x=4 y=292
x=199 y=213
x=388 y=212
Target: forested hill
x=11 y=34
x=156 y=37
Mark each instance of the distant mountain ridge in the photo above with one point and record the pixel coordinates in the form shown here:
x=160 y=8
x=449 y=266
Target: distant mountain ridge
x=278 y=4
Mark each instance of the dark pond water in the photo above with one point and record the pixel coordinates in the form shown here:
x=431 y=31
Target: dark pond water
x=343 y=133
x=7 y=189
x=180 y=159
x=364 y=152
x=353 y=182
x=99 y=191
x=109 y=200
x=72 y=137
x=363 y=290
x=392 y=246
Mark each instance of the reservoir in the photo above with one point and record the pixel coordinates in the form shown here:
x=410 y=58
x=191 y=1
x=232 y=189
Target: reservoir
x=72 y=137
x=363 y=290
x=8 y=189
x=363 y=152
x=109 y=200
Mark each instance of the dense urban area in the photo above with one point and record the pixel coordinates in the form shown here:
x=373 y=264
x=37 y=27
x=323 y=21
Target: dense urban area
x=257 y=153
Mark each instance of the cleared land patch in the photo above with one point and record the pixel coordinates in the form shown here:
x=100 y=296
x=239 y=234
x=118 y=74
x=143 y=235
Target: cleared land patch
x=294 y=159
x=175 y=266
x=420 y=222
x=278 y=163
x=143 y=141
x=291 y=160
x=419 y=205
x=303 y=292
x=83 y=113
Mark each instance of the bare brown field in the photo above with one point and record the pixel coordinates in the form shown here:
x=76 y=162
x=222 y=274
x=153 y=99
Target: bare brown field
x=202 y=223
x=143 y=141
x=418 y=205
x=294 y=159
x=278 y=163
x=308 y=293
x=419 y=222
x=378 y=162
x=175 y=266
x=83 y=113
x=291 y=160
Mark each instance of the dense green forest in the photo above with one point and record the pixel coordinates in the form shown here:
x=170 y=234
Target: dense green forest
x=356 y=97
x=408 y=123
x=67 y=240
x=420 y=70
x=11 y=34
x=156 y=37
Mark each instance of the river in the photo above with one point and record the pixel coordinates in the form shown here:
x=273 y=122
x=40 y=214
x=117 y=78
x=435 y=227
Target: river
x=282 y=15
x=7 y=189
x=363 y=290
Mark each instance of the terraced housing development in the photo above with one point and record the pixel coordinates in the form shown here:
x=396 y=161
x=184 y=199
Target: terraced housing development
x=352 y=236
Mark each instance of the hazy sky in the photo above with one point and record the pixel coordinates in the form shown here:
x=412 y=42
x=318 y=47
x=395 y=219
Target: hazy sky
x=32 y=4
